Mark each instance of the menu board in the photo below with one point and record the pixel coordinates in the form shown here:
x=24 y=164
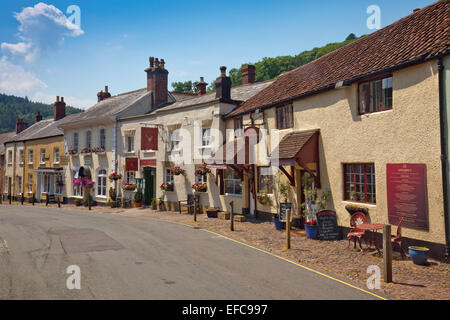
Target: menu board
x=407 y=195
x=283 y=207
x=328 y=227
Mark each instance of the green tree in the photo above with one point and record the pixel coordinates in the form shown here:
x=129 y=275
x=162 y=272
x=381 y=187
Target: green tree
x=351 y=36
x=185 y=87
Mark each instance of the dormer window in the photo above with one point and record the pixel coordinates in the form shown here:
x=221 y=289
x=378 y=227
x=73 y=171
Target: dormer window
x=375 y=95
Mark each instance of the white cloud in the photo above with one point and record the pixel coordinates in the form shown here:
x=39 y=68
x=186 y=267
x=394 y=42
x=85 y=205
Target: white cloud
x=15 y=80
x=42 y=29
x=69 y=100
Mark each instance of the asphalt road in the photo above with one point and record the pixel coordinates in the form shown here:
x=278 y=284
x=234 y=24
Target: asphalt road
x=139 y=258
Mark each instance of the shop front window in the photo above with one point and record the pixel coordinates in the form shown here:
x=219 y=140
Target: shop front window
x=233 y=183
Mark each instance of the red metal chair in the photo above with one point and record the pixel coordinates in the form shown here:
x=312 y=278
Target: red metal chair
x=356 y=234
x=397 y=240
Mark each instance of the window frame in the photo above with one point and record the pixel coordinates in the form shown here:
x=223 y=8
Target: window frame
x=21 y=156
x=88 y=142
x=30 y=156
x=369 y=81
x=102 y=137
x=239 y=121
x=128 y=144
x=55 y=153
x=10 y=157
x=291 y=124
x=30 y=183
x=75 y=146
x=365 y=183
x=235 y=180
x=130 y=177
x=168 y=174
x=43 y=152
x=102 y=183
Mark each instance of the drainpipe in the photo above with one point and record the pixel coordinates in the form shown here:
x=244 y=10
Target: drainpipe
x=444 y=155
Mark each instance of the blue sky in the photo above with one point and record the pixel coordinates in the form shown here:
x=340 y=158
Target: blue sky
x=47 y=56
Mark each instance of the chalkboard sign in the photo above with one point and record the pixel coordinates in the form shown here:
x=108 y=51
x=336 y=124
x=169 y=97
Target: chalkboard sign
x=328 y=228
x=283 y=207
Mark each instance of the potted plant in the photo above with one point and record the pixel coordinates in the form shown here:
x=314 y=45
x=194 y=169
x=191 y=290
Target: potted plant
x=212 y=212
x=314 y=202
x=419 y=255
x=77 y=202
x=200 y=187
x=278 y=224
x=138 y=197
x=202 y=170
x=352 y=208
x=177 y=171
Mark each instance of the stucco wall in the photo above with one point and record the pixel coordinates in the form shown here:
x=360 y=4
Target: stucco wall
x=409 y=133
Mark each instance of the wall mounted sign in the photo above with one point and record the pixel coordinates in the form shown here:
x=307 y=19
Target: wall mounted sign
x=149 y=138
x=148 y=163
x=131 y=164
x=328 y=227
x=87 y=161
x=407 y=195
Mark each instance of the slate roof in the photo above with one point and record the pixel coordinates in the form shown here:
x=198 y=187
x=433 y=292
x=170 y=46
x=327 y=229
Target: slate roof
x=418 y=37
x=292 y=143
x=43 y=129
x=3 y=138
x=238 y=93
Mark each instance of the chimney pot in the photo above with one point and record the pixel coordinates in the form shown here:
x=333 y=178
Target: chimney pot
x=248 y=74
x=223 y=71
x=38 y=117
x=201 y=87
x=59 y=109
x=223 y=85
x=157 y=81
x=57 y=98
x=106 y=89
x=152 y=62
x=20 y=125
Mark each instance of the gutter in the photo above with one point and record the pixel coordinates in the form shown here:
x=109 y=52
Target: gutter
x=444 y=157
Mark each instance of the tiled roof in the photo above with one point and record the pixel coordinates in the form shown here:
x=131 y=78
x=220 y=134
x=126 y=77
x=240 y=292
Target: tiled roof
x=238 y=93
x=418 y=37
x=5 y=137
x=292 y=143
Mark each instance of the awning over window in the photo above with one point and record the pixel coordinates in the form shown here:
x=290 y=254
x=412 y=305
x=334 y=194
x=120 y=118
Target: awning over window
x=301 y=147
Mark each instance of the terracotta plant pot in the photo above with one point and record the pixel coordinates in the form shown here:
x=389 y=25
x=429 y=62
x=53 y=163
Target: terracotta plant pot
x=137 y=204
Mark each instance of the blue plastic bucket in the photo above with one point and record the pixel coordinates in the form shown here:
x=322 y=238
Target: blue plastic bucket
x=311 y=231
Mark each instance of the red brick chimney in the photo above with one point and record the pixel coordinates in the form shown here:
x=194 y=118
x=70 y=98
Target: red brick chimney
x=20 y=125
x=248 y=74
x=103 y=95
x=223 y=85
x=59 y=109
x=157 y=81
x=38 y=117
x=201 y=87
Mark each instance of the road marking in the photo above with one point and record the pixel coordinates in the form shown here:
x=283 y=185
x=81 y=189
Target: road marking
x=279 y=257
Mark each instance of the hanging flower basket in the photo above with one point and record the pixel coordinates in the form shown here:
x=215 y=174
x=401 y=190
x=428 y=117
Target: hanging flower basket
x=166 y=186
x=202 y=170
x=115 y=176
x=200 y=187
x=177 y=171
x=83 y=182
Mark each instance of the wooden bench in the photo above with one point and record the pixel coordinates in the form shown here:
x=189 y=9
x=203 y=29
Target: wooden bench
x=190 y=203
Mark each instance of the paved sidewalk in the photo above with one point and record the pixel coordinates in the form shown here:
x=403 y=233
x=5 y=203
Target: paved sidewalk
x=334 y=258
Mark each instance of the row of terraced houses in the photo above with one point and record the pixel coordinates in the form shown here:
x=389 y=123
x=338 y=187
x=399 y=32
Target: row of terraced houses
x=367 y=122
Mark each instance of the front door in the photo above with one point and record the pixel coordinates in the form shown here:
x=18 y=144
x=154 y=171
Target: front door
x=150 y=184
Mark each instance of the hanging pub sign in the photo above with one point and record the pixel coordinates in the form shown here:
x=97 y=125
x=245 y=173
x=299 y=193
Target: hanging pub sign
x=327 y=224
x=407 y=195
x=149 y=138
x=283 y=207
x=131 y=164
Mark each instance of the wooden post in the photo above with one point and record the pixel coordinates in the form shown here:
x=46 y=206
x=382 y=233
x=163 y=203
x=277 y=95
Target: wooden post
x=288 y=229
x=387 y=254
x=195 y=208
x=59 y=203
x=46 y=200
x=232 y=216
x=22 y=199
x=34 y=199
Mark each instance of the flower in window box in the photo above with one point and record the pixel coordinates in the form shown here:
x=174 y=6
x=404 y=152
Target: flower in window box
x=72 y=151
x=98 y=150
x=200 y=187
x=129 y=187
x=177 y=171
x=86 y=150
x=202 y=170
x=115 y=176
x=167 y=186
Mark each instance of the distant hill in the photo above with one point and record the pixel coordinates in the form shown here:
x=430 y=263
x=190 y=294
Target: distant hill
x=271 y=68
x=12 y=107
